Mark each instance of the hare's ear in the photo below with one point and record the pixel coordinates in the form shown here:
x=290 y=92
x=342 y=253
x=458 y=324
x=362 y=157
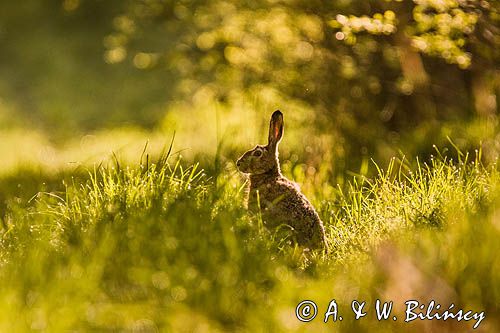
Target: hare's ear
x=275 y=129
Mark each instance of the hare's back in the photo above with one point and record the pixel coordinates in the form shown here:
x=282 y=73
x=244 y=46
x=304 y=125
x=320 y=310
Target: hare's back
x=282 y=203
x=296 y=211
x=293 y=204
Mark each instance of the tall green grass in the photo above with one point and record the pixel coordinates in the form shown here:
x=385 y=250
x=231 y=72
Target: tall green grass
x=165 y=247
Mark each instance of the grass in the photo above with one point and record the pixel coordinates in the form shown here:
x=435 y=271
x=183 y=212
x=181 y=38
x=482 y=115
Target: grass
x=166 y=247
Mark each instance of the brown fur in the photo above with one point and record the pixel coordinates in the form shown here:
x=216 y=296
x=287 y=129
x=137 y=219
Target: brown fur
x=281 y=201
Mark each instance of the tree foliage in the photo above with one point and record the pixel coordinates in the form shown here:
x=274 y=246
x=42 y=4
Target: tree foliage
x=371 y=68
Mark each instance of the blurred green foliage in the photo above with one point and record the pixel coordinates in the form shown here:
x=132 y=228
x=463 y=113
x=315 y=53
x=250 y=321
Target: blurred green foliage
x=374 y=76
x=372 y=71
x=54 y=78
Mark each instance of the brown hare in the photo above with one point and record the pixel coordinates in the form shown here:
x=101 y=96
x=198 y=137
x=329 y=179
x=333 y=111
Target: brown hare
x=281 y=202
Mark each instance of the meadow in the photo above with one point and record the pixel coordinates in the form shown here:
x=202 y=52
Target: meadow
x=165 y=244
x=121 y=208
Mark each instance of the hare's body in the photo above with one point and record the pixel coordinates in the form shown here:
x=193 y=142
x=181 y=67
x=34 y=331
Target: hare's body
x=280 y=200
x=282 y=203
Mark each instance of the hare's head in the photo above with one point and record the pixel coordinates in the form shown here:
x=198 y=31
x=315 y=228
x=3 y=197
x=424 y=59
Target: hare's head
x=262 y=159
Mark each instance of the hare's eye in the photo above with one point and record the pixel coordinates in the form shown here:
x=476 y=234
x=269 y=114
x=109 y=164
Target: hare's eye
x=257 y=153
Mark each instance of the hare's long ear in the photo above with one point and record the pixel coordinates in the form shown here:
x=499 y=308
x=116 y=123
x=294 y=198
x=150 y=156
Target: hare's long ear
x=275 y=129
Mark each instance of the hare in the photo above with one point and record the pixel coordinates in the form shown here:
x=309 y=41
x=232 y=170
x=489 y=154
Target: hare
x=280 y=200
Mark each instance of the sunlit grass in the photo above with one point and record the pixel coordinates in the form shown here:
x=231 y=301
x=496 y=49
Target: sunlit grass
x=154 y=245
